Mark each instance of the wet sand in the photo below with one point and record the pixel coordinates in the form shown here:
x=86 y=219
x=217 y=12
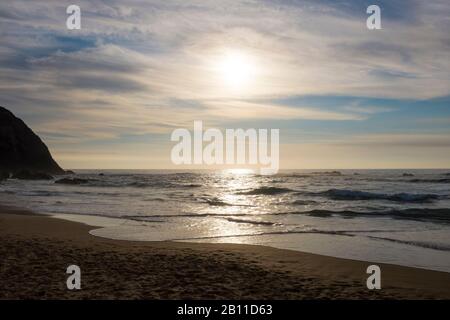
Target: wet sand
x=36 y=250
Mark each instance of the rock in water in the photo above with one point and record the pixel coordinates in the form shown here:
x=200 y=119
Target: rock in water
x=406 y=174
x=72 y=181
x=21 y=149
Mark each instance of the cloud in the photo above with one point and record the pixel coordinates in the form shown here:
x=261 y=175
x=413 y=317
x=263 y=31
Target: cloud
x=367 y=109
x=241 y=110
x=419 y=140
x=146 y=67
x=307 y=47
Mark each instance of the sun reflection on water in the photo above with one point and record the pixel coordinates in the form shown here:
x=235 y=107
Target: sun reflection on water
x=239 y=171
x=233 y=207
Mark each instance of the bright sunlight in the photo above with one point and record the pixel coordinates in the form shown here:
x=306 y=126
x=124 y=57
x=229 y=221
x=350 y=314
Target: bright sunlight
x=237 y=69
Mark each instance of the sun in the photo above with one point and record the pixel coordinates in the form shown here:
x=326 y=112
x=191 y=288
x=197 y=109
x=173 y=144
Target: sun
x=236 y=69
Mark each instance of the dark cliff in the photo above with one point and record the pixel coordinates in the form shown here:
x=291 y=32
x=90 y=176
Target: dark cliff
x=22 y=149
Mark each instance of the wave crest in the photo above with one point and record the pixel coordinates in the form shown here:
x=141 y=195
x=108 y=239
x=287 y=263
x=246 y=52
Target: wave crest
x=265 y=191
x=345 y=194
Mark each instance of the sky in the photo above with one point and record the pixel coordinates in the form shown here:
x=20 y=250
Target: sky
x=110 y=94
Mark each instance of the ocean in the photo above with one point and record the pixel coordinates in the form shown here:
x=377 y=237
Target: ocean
x=391 y=216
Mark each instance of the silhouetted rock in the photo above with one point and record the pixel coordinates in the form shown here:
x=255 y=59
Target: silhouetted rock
x=31 y=175
x=70 y=172
x=22 y=149
x=72 y=181
x=407 y=175
x=4 y=175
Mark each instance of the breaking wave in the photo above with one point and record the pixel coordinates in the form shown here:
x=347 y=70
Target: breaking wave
x=216 y=202
x=255 y=222
x=266 y=191
x=446 y=180
x=425 y=215
x=304 y=202
x=345 y=194
x=428 y=245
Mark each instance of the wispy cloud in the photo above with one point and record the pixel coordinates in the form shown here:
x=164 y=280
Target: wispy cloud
x=145 y=67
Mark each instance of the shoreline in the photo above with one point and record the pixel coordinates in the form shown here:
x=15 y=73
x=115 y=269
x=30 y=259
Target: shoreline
x=36 y=250
x=110 y=227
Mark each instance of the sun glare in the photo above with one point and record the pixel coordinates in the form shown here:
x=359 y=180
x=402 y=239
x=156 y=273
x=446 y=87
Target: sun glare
x=238 y=171
x=237 y=69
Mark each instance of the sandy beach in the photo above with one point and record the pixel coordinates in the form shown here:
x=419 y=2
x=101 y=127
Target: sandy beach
x=37 y=249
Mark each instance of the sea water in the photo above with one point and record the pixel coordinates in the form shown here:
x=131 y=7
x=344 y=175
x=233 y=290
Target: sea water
x=392 y=216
